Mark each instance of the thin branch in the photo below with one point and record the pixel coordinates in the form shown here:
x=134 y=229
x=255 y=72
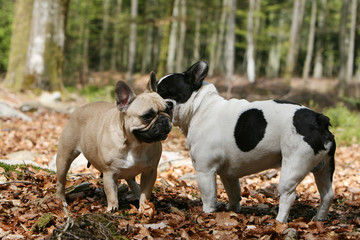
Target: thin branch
x=23 y=182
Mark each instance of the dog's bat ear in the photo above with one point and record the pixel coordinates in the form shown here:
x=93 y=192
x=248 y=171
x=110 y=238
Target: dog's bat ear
x=197 y=73
x=124 y=95
x=151 y=86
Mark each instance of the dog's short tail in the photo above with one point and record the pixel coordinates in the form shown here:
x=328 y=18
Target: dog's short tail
x=324 y=124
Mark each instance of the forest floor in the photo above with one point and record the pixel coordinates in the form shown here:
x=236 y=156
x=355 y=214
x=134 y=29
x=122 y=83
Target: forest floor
x=29 y=209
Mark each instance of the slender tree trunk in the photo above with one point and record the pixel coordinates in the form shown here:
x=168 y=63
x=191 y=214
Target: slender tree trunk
x=36 y=55
x=220 y=41
x=214 y=42
x=230 y=46
x=146 y=57
x=343 y=39
x=181 y=45
x=164 y=49
x=116 y=41
x=294 y=38
x=250 y=67
x=273 y=64
x=104 y=31
x=350 y=60
x=85 y=51
x=196 y=56
x=310 y=44
x=132 y=41
x=318 y=65
x=170 y=65
x=256 y=32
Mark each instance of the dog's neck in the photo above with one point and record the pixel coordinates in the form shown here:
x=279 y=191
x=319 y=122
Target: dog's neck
x=184 y=113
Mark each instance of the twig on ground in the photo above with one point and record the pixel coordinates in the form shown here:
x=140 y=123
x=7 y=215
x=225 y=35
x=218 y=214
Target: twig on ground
x=12 y=182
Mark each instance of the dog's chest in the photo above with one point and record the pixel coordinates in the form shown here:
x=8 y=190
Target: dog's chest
x=130 y=164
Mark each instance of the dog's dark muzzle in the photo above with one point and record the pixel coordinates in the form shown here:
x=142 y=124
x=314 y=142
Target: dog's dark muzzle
x=155 y=132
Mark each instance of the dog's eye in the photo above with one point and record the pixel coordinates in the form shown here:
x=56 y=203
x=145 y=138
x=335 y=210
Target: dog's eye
x=149 y=116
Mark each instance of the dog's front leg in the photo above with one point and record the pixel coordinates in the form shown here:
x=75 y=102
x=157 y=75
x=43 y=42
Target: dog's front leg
x=111 y=190
x=207 y=186
x=147 y=182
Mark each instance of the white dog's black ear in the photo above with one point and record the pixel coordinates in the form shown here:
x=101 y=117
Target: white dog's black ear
x=152 y=85
x=124 y=95
x=197 y=73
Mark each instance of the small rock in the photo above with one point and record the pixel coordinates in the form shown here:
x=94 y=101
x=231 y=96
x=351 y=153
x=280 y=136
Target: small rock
x=47 y=97
x=22 y=155
x=7 y=111
x=29 y=107
x=290 y=234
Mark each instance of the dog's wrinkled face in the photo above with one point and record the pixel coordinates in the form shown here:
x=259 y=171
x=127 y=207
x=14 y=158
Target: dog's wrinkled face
x=146 y=116
x=180 y=86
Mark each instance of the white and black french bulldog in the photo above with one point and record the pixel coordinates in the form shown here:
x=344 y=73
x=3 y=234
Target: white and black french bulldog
x=236 y=138
x=121 y=140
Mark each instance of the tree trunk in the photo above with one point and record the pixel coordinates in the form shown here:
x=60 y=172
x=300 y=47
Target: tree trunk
x=164 y=49
x=104 y=31
x=318 y=65
x=230 y=46
x=115 y=53
x=148 y=42
x=37 y=45
x=196 y=55
x=310 y=44
x=350 y=60
x=220 y=39
x=85 y=52
x=250 y=67
x=214 y=41
x=273 y=64
x=343 y=39
x=294 y=38
x=181 y=45
x=132 y=42
x=170 y=65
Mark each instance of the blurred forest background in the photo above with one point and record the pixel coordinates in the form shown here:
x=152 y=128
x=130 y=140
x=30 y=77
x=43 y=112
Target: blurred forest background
x=50 y=44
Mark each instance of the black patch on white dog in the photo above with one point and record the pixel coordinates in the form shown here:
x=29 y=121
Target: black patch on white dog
x=175 y=87
x=314 y=127
x=250 y=129
x=285 y=102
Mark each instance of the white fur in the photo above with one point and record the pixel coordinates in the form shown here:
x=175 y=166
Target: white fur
x=208 y=121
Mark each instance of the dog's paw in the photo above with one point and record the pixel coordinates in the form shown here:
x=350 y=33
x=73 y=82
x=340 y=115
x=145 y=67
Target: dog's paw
x=111 y=209
x=233 y=207
x=208 y=209
x=320 y=218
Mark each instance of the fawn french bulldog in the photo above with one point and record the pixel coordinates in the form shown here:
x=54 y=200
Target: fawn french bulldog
x=236 y=138
x=121 y=140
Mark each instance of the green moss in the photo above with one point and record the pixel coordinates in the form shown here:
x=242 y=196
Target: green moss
x=344 y=124
x=9 y=168
x=44 y=221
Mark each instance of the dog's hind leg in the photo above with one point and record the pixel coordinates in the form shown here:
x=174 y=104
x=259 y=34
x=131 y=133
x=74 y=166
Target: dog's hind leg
x=293 y=170
x=208 y=189
x=65 y=156
x=323 y=179
x=135 y=188
x=232 y=187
